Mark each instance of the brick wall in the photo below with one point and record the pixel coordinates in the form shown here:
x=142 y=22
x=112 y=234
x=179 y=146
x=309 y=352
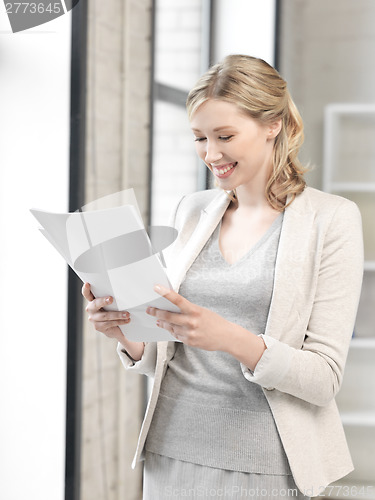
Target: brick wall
x=177 y=42
x=177 y=64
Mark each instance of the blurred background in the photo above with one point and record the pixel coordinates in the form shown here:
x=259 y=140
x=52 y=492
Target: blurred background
x=92 y=103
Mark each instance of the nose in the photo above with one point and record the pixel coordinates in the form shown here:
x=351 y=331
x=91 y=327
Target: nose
x=213 y=153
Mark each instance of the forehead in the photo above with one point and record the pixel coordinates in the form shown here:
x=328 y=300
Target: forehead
x=214 y=113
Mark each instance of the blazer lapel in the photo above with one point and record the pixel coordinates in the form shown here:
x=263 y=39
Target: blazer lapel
x=209 y=219
x=293 y=253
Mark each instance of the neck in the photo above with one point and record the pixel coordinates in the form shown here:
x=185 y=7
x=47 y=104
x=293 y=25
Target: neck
x=248 y=199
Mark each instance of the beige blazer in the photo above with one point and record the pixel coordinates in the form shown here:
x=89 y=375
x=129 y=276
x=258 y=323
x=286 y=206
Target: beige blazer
x=317 y=285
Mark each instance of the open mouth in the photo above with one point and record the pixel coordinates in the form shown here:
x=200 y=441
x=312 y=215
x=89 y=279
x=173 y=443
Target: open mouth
x=225 y=170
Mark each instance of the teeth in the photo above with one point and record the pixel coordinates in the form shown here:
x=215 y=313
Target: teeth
x=224 y=170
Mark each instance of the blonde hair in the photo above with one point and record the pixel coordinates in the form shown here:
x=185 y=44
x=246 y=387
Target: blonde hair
x=260 y=92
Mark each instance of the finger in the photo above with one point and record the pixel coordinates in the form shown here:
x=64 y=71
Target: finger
x=105 y=325
x=86 y=292
x=173 y=297
x=102 y=315
x=99 y=303
x=178 y=319
x=171 y=328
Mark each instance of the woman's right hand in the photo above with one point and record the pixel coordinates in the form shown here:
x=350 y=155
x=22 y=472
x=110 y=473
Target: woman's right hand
x=108 y=322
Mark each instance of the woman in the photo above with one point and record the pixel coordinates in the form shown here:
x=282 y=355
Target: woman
x=269 y=275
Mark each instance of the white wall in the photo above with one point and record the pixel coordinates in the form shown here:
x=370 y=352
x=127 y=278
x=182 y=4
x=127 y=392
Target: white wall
x=244 y=27
x=34 y=162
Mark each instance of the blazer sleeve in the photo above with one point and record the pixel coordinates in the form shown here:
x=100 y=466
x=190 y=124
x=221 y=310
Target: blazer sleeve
x=314 y=373
x=147 y=364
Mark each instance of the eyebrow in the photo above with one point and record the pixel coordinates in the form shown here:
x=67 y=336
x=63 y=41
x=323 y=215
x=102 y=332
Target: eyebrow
x=217 y=129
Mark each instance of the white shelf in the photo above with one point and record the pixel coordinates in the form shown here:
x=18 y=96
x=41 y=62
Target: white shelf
x=358 y=419
x=369 y=265
x=356 y=394
x=332 y=114
x=362 y=343
x=350 y=108
x=352 y=187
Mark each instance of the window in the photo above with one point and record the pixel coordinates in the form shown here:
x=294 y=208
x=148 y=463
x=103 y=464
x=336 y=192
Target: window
x=181 y=54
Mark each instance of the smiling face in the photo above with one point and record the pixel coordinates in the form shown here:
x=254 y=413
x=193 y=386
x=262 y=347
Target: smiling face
x=236 y=148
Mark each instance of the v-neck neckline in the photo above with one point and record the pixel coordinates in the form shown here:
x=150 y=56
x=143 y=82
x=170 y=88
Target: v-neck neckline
x=253 y=248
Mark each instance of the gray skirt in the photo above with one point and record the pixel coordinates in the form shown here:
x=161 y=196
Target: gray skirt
x=166 y=478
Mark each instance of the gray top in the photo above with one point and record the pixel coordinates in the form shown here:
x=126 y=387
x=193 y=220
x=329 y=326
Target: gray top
x=207 y=412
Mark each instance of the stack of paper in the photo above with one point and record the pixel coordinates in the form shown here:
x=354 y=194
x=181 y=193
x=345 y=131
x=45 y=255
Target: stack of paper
x=106 y=245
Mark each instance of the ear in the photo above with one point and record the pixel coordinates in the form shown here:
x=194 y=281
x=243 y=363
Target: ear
x=274 y=129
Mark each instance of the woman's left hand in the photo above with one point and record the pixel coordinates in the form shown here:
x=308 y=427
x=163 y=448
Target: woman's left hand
x=195 y=326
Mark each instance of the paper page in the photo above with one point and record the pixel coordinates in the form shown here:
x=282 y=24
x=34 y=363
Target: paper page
x=110 y=249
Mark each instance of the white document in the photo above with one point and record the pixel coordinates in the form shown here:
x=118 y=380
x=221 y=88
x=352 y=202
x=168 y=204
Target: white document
x=106 y=245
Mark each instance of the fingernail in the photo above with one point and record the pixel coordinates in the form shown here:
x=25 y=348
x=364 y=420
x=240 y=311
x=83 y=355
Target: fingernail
x=125 y=315
x=160 y=289
x=158 y=323
x=108 y=300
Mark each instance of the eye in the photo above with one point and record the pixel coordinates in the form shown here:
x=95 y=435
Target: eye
x=199 y=139
x=225 y=137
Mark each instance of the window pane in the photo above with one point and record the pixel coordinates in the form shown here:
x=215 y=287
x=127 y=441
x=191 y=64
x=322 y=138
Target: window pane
x=178 y=42
x=175 y=162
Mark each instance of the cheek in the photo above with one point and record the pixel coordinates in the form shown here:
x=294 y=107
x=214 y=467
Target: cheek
x=241 y=151
x=251 y=149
